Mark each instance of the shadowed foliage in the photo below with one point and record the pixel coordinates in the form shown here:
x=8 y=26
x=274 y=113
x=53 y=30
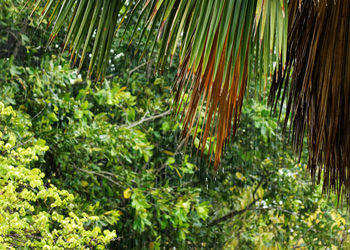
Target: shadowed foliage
x=223 y=46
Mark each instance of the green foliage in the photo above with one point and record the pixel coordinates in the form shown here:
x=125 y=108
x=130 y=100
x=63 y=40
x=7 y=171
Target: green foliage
x=81 y=162
x=33 y=213
x=97 y=152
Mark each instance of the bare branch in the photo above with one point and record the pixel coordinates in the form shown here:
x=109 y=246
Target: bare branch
x=136 y=68
x=99 y=174
x=232 y=214
x=130 y=72
x=237 y=212
x=143 y=120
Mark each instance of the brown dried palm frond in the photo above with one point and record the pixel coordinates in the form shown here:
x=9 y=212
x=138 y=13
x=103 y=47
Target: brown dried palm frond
x=318 y=63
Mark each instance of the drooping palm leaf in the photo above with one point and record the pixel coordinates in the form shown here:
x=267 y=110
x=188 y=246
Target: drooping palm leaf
x=89 y=20
x=319 y=63
x=217 y=39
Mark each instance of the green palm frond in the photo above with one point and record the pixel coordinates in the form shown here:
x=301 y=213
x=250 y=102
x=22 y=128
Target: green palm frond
x=217 y=40
x=88 y=21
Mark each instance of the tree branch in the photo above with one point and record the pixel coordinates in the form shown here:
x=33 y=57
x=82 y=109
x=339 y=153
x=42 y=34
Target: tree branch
x=19 y=41
x=144 y=120
x=136 y=68
x=99 y=174
x=232 y=214
x=237 y=212
x=130 y=72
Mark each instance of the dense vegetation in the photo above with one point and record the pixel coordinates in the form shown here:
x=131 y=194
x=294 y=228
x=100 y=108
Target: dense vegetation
x=98 y=165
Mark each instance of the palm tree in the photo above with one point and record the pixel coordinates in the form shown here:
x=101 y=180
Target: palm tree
x=301 y=46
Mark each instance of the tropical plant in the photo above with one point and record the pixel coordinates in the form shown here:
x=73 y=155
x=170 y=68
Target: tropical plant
x=130 y=178
x=222 y=43
x=123 y=164
x=217 y=38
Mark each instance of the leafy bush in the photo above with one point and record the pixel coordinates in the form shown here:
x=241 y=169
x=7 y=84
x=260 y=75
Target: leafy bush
x=33 y=213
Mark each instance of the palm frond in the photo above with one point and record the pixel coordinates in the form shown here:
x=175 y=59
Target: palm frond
x=88 y=20
x=217 y=40
x=318 y=61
